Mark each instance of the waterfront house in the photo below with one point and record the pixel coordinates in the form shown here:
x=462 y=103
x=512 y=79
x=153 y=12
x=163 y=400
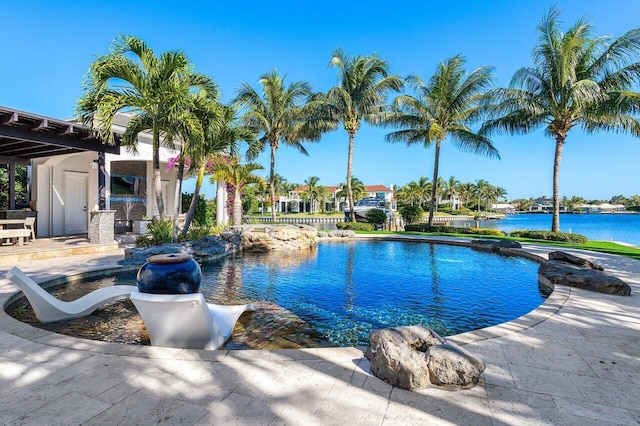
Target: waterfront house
x=294 y=202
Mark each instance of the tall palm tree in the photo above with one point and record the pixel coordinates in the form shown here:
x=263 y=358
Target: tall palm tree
x=363 y=85
x=576 y=80
x=156 y=88
x=220 y=136
x=239 y=176
x=283 y=114
x=443 y=107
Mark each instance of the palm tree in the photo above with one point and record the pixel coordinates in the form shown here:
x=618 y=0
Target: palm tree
x=450 y=189
x=467 y=191
x=239 y=176
x=423 y=188
x=444 y=106
x=156 y=88
x=576 y=80
x=313 y=191
x=363 y=85
x=482 y=188
x=220 y=136
x=358 y=190
x=408 y=194
x=283 y=114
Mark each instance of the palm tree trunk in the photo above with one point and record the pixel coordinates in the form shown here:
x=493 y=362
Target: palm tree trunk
x=434 y=185
x=555 y=224
x=272 y=182
x=194 y=200
x=237 y=207
x=349 y=168
x=157 y=179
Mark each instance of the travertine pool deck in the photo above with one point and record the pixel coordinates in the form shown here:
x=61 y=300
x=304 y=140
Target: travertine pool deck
x=574 y=360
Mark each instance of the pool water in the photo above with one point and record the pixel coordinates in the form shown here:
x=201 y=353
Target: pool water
x=335 y=294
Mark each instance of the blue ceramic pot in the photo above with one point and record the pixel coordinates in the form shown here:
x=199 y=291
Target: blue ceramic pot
x=169 y=274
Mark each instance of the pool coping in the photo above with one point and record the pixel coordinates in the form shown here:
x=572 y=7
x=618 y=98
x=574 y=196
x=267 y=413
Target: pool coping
x=554 y=302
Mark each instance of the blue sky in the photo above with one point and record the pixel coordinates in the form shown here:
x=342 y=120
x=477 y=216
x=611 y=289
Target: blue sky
x=48 y=47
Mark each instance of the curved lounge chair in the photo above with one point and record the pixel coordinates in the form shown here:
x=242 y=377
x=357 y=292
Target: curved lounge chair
x=187 y=321
x=50 y=309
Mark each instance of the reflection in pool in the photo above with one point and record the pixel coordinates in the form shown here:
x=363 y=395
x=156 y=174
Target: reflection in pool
x=336 y=294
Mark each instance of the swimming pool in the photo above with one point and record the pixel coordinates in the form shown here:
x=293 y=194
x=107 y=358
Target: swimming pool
x=335 y=294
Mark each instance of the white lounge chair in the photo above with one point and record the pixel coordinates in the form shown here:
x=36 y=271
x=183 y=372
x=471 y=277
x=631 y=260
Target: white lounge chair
x=49 y=309
x=187 y=321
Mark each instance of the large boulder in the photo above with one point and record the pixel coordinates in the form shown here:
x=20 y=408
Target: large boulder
x=452 y=365
x=574 y=260
x=272 y=237
x=555 y=272
x=414 y=357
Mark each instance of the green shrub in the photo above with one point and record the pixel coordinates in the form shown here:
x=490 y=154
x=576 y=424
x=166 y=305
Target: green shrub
x=550 y=236
x=355 y=226
x=411 y=214
x=197 y=232
x=423 y=227
x=160 y=230
x=376 y=217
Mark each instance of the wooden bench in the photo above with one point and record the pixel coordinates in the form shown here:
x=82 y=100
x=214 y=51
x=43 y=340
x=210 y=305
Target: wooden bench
x=13 y=234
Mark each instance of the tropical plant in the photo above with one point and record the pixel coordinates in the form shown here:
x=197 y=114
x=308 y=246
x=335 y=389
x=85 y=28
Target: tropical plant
x=283 y=114
x=576 y=80
x=443 y=107
x=466 y=191
x=156 y=88
x=363 y=85
x=358 y=190
x=238 y=175
x=220 y=137
x=313 y=192
x=450 y=189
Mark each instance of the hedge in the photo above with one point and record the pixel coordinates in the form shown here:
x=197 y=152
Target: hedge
x=355 y=226
x=550 y=236
x=423 y=227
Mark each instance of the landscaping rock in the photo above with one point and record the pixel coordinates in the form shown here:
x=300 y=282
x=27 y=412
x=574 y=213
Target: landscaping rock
x=554 y=272
x=494 y=245
x=414 y=357
x=452 y=365
x=202 y=250
x=272 y=237
x=574 y=260
x=337 y=233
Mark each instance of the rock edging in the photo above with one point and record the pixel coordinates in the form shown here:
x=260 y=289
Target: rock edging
x=573 y=271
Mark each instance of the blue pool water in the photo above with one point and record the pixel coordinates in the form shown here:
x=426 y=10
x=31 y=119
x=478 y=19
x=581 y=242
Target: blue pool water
x=333 y=295
x=344 y=290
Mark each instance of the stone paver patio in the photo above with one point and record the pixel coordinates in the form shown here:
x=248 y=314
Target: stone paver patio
x=574 y=360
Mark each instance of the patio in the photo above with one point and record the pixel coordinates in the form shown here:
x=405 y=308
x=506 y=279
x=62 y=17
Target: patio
x=573 y=360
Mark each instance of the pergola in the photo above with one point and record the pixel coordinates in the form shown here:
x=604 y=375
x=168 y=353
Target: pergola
x=24 y=136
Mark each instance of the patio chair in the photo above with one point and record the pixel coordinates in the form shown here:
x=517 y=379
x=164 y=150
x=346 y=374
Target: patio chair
x=49 y=309
x=187 y=321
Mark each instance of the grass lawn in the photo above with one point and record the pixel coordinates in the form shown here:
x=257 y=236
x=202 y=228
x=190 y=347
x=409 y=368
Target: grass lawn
x=598 y=246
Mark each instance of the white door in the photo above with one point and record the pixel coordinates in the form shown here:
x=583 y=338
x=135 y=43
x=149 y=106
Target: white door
x=75 y=203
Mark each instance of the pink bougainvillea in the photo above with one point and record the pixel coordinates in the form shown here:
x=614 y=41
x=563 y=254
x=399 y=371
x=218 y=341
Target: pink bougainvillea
x=173 y=162
x=231 y=196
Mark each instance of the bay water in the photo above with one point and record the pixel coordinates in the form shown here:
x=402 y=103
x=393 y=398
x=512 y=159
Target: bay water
x=620 y=227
